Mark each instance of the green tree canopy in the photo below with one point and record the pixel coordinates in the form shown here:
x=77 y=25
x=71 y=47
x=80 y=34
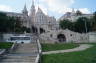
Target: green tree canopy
x=93 y=22
x=3 y=23
x=66 y=24
x=82 y=25
x=78 y=13
x=11 y=24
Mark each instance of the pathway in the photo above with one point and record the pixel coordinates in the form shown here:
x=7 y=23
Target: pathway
x=80 y=48
x=25 y=53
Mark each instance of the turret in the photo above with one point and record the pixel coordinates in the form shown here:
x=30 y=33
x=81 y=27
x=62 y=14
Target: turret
x=73 y=12
x=32 y=13
x=24 y=11
x=32 y=9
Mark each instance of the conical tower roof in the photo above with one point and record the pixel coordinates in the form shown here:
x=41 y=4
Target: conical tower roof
x=39 y=10
x=25 y=10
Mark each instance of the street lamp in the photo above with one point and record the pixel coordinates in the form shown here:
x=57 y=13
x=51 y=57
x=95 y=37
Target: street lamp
x=86 y=30
x=38 y=28
x=85 y=26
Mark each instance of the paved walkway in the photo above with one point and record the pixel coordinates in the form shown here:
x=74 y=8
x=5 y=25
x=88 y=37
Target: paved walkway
x=80 y=48
x=25 y=53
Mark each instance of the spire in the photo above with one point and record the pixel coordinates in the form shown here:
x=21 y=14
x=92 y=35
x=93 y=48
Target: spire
x=73 y=11
x=25 y=10
x=33 y=6
x=25 y=7
x=39 y=9
x=32 y=12
x=32 y=2
x=38 y=3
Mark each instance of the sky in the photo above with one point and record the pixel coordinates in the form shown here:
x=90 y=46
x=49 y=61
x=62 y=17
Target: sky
x=55 y=8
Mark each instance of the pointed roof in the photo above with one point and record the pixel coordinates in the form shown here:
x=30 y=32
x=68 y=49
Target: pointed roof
x=33 y=6
x=25 y=9
x=39 y=10
x=32 y=10
x=73 y=11
x=32 y=2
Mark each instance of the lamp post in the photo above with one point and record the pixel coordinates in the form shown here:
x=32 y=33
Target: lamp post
x=86 y=30
x=86 y=26
x=14 y=26
x=38 y=32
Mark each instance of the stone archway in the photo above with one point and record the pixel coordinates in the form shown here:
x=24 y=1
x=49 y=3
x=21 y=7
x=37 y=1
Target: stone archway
x=34 y=29
x=42 y=30
x=61 y=38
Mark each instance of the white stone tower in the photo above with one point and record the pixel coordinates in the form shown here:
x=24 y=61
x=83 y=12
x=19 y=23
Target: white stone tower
x=73 y=12
x=24 y=11
x=32 y=13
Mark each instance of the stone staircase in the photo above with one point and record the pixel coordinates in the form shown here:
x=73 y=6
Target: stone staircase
x=25 y=53
x=30 y=48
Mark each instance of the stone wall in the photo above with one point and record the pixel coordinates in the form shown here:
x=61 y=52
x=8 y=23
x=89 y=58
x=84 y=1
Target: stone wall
x=1 y=38
x=70 y=36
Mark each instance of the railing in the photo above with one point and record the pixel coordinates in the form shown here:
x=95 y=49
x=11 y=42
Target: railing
x=37 y=59
x=39 y=52
x=13 y=47
x=8 y=50
x=2 y=51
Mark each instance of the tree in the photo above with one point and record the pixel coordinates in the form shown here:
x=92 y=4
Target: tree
x=66 y=24
x=3 y=23
x=25 y=29
x=78 y=13
x=17 y=24
x=82 y=25
x=93 y=22
x=11 y=24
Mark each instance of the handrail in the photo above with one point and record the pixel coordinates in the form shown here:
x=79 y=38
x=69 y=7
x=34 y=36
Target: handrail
x=39 y=52
x=37 y=59
x=39 y=47
x=13 y=46
x=2 y=51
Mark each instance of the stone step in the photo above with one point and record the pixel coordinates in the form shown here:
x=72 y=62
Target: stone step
x=28 y=44
x=25 y=53
x=26 y=48
x=17 y=62
x=21 y=57
x=22 y=54
x=18 y=59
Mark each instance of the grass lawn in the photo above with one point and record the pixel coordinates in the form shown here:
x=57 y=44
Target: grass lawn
x=87 y=56
x=5 y=45
x=59 y=46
